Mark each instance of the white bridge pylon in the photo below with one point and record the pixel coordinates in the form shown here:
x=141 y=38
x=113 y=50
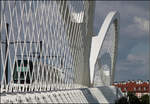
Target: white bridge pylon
x=97 y=43
x=48 y=53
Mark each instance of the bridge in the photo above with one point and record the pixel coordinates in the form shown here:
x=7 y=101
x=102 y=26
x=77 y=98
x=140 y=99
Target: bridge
x=49 y=54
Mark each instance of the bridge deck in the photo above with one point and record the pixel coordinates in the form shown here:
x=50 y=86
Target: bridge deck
x=103 y=94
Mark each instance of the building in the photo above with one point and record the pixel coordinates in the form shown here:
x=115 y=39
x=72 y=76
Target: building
x=140 y=88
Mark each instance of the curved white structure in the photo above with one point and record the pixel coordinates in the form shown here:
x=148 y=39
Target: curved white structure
x=45 y=48
x=97 y=42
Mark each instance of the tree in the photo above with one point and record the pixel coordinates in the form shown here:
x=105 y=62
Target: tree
x=133 y=99
x=145 y=99
x=122 y=100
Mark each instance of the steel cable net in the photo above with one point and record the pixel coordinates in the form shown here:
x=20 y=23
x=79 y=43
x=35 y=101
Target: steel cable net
x=104 y=64
x=42 y=45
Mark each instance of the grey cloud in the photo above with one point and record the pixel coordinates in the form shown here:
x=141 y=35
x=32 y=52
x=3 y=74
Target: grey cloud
x=131 y=34
x=134 y=66
x=142 y=23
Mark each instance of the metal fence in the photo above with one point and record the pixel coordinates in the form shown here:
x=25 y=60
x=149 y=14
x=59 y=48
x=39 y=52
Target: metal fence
x=45 y=45
x=48 y=53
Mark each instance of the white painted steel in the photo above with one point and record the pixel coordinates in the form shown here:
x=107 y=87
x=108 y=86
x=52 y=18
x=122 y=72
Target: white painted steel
x=97 y=42
x=103 y=94
x=47 y=45
x=53 y=39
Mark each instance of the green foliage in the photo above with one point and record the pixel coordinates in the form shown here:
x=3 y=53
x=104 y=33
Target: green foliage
x=133 y=99
x=145 y=99
x=122 y=100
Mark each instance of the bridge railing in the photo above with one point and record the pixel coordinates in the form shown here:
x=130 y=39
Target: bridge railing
x=45 y=45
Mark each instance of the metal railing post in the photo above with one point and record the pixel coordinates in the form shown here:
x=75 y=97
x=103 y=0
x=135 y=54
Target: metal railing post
x=6 y=49
x=0 y=49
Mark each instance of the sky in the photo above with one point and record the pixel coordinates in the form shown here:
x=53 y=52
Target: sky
x=134 y=42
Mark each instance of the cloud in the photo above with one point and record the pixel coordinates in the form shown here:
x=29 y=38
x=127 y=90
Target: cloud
x=139 y=27
x=131 y=70
x=135 y=58
x=127 y=13
x=132 y=63
x=142 y=23
x=133 y=67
